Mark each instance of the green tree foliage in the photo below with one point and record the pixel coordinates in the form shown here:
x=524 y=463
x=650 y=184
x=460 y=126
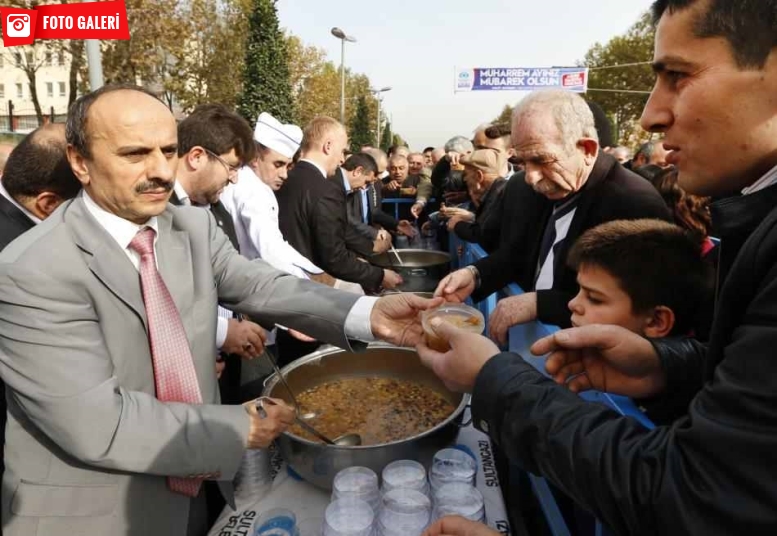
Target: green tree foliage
x=387 y=137
x=360 y=130
x=155 y=33
x=315 y=84
x=305 y=62
x=266 y=82
x=203 y=69
x=396 y=139
x=319 y=93
x=633 y=47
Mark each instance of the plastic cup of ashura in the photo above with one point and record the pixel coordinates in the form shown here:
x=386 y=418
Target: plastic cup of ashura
x=348 y=517
x=357 y=483
x=451 y=466
x=460 y=315
x=404 y=512
x=459 y=499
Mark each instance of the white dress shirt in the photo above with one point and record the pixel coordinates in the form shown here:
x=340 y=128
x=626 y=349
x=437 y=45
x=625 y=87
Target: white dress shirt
x=123 y=231
x=21 y=207
x=346 y=184
x=222 y=322
x=254 y=211
x=545 y=277
x=357 y=322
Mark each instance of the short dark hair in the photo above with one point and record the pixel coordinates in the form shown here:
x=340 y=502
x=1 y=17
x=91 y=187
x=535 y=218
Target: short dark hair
x=494 y=132
x=648 y=171
x=362 y=160
x=690 y=211
x=428 y=150
x=655 y=262
x=217 y=129
x=602 y=124
x=747 y=25
x=77 y=115
x=39 y=164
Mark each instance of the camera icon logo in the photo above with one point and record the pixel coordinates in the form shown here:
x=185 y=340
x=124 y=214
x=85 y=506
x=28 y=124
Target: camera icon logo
x=17 y=25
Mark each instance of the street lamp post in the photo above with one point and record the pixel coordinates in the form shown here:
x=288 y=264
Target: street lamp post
x=379 y=95
x=341 y=35
x=94 y=62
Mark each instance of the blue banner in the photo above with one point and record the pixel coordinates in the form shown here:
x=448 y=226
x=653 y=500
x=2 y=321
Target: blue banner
x=521 y=78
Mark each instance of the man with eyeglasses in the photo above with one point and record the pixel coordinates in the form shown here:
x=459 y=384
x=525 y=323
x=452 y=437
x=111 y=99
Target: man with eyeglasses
x=213 y=144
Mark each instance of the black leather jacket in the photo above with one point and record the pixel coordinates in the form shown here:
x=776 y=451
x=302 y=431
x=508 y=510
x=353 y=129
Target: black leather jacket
x=713 y=470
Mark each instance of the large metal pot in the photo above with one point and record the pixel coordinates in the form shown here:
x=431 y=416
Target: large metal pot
x=421 y=269
x=319 y=463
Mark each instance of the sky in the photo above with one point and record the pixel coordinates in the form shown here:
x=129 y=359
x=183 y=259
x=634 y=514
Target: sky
x=414 y=47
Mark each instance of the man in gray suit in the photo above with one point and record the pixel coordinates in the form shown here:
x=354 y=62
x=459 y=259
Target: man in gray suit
x=114 y=416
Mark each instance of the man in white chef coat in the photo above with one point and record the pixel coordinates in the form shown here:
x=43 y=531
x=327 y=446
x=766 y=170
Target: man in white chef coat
x=252 y=204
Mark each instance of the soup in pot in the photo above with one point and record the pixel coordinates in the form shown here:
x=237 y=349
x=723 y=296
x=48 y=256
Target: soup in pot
x=380 y=410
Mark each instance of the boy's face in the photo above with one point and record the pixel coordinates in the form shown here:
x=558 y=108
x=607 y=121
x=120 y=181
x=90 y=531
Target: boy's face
x=601 y=300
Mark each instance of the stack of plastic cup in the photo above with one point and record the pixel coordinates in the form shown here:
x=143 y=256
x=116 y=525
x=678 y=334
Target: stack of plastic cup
x=452 y=465
x=254 y=477
x=357 y=483
x=276 y=522
x=459 y=499
x=405 y=474
x=403 y=512
x=348 y=517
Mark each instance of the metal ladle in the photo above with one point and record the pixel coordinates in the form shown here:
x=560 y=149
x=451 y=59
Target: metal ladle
x=394 y=251
x=304 y=416
x=346 y=440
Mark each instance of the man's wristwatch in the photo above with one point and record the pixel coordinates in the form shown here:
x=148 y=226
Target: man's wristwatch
x=475 y=273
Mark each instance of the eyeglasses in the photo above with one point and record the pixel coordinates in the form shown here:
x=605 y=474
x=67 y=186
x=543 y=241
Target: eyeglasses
x=229 y=167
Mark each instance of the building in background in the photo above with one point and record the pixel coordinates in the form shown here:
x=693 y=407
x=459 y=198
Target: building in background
x=52 y=75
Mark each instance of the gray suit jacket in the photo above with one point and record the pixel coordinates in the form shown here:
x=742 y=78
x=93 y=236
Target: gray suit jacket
x=88 y=445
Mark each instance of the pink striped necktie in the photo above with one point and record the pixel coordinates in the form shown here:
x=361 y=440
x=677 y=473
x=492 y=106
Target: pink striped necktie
x=174 y=376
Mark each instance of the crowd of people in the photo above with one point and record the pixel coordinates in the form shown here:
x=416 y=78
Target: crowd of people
x=146 y=263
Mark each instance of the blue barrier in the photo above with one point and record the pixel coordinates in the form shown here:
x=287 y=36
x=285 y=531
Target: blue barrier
x=521 y=338
x=399 y=201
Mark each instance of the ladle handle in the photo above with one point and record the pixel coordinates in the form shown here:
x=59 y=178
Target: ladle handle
x=315 y=432
x=266 y=400
x=283 y=381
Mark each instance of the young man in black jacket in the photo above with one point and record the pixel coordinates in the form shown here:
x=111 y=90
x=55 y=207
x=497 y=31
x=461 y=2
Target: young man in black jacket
x=714 y=469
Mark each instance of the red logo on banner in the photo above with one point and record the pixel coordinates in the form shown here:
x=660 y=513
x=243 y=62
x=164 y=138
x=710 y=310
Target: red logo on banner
x=18 y=26
x=89 y=20
x=573 y=80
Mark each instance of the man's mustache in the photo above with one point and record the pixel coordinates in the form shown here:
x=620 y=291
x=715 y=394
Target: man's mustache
x=153 y=184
